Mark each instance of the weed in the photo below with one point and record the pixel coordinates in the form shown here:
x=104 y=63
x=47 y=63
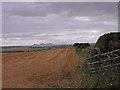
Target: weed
x=80 y=77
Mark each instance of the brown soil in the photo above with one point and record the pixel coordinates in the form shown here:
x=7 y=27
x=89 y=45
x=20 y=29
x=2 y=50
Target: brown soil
x=34 y=69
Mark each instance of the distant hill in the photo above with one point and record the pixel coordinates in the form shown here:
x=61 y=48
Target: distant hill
x=43 y=45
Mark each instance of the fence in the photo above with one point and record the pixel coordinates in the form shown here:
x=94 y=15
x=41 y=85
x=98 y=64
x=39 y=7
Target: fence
x=97 y=61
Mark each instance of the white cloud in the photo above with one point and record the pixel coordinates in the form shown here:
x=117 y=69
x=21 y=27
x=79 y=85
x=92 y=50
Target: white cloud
x=110 y=23
x=95 y=31
x=82 y=18
x=41 y=34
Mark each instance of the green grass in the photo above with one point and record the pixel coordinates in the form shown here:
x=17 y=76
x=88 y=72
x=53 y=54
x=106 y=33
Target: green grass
x=107 y=78
x=48 y=47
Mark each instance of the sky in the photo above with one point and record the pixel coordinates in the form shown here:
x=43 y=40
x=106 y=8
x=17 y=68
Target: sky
x=27 y=23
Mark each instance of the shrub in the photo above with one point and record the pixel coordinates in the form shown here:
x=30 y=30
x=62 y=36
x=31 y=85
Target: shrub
x=81 y=45
x=109 y=42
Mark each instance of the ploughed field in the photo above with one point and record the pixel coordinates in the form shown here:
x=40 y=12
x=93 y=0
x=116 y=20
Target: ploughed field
x=35 y=69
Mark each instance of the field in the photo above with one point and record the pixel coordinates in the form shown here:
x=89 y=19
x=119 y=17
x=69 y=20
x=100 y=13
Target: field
x=11 y=49
x=37 y=69
x=56 y=68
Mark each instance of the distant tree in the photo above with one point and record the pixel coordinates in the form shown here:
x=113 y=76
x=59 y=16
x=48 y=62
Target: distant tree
x=76 y=44
x=81 y=45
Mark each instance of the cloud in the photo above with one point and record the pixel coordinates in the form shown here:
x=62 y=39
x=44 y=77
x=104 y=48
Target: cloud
x=27 y=23
x=82 y=18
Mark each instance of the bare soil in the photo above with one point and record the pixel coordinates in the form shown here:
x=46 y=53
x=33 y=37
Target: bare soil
x=34 y=69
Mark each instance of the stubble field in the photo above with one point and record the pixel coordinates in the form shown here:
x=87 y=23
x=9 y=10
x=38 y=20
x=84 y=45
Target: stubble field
x=34 y=69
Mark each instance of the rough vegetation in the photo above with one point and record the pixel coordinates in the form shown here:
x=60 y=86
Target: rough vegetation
x=80 y=77
x=109 y=42
x=106 y=78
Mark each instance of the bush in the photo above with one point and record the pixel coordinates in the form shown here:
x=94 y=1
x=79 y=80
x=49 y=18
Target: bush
x=81 y=45
x=109 y=42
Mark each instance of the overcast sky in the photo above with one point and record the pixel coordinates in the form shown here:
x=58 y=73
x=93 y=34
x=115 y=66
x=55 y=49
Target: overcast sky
x=58 y=23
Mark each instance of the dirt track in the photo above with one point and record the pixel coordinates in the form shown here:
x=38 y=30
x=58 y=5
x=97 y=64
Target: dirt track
x=29 y=69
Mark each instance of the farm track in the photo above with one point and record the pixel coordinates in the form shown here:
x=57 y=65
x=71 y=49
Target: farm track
x=33 y=69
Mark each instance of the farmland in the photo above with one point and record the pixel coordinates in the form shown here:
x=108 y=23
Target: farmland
x=49 y=67
x=11 y=49
x=35 y=69
x=60 y=68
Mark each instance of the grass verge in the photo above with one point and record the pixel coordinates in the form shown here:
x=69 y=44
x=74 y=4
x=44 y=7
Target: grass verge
x=80 y=78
